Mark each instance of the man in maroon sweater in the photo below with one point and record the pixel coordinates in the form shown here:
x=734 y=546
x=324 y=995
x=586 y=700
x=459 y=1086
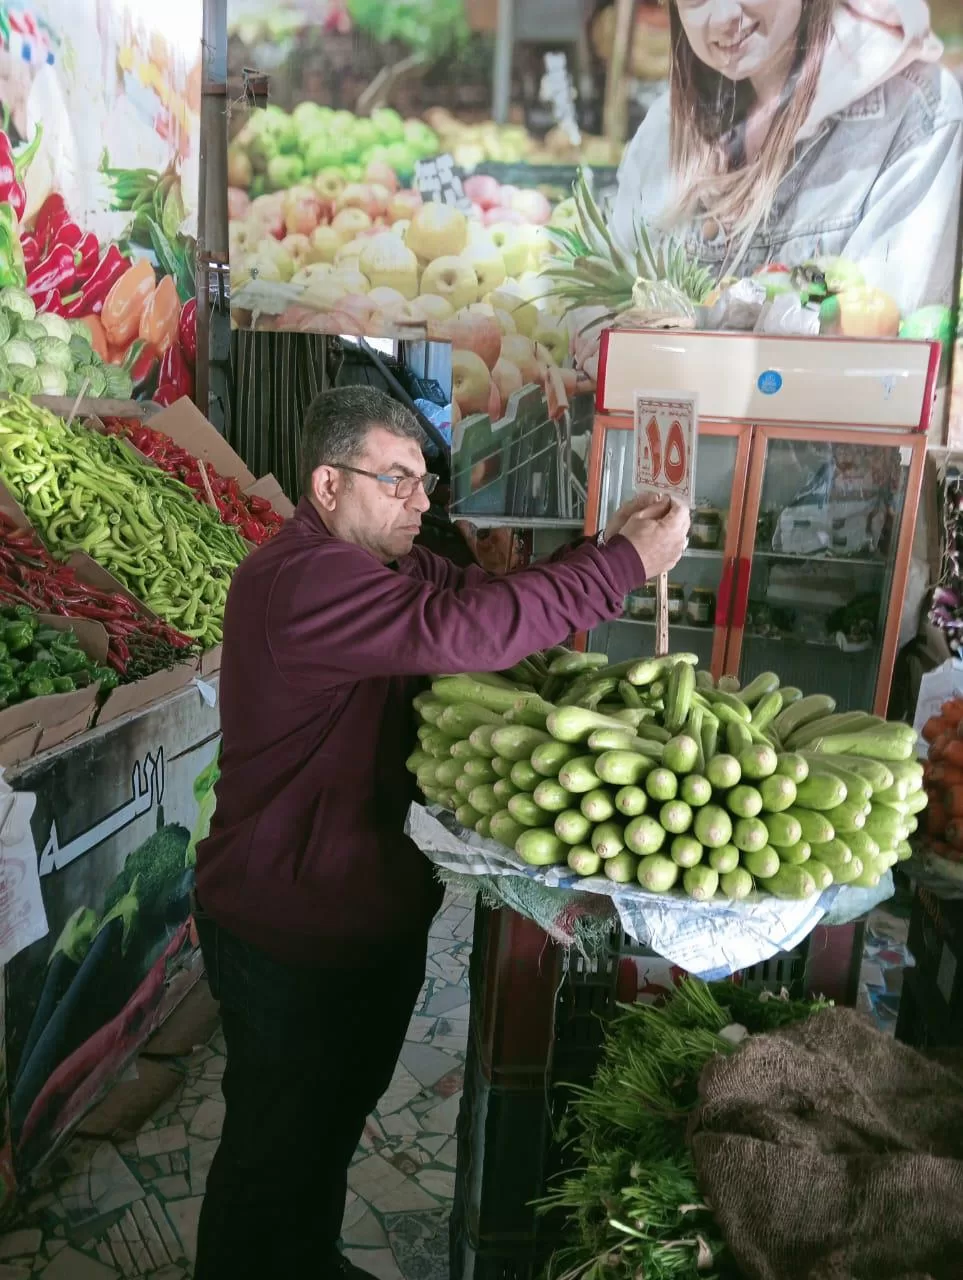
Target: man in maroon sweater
x=313 y=907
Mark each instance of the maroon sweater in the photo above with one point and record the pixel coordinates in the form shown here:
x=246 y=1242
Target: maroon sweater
x=324 y=648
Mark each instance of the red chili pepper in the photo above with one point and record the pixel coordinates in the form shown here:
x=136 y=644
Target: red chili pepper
x=13 y=167
x=187 y=331
x=90 y=300
x=51 y=216
x=59 y=268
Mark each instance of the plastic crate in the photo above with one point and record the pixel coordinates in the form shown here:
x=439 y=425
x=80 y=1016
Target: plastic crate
x=508 y=1154
x=936 y=943
x=538 y=1018
x=922 y=1022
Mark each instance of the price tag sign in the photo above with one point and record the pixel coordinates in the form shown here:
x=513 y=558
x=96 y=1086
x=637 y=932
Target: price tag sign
x=666 y=436
x=439 y=180
x=558 y=90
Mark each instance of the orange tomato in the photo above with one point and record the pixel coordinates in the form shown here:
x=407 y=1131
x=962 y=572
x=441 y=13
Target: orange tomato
x=953 y=752
x=939 y=745
x=952 y=710
x=935 y=726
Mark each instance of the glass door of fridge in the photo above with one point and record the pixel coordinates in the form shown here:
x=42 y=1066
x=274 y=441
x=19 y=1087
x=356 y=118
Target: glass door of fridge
x=824 y=561
x=700 y=586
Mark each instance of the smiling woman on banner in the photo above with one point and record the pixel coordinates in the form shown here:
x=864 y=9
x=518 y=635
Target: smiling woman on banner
x=802 y=128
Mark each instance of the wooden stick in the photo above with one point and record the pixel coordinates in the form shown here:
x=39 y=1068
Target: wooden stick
x=662 y=615
x=207 y=484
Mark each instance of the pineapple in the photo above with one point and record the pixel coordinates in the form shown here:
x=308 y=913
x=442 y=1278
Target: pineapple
x=590 y=270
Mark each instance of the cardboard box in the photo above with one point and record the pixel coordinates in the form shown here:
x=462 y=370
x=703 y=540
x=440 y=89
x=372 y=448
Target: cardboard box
x=127 y=698
x=187 y=426
x=267 y=487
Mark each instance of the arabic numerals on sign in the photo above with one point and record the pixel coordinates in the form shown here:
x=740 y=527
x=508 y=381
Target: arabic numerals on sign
x=441 y=181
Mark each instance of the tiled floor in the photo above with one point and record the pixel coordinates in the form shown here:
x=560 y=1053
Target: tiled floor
x=106 y=1210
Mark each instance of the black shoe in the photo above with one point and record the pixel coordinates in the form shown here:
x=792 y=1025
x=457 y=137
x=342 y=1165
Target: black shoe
x=342 y=1269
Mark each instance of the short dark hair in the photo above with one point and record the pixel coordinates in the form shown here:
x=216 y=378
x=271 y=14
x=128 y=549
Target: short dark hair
x=337 y=422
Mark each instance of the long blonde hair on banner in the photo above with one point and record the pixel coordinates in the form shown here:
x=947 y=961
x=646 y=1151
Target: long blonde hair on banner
x=708 y=115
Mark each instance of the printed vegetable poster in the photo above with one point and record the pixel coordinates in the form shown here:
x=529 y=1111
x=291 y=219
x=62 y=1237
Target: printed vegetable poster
x=99 y=165
x=115 y=828
x=789 y=167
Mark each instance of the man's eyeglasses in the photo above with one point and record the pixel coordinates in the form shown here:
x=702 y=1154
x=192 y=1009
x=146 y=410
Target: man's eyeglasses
x=402 y=487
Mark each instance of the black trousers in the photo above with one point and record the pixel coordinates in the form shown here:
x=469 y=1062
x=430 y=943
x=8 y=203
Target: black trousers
x=309 y=1054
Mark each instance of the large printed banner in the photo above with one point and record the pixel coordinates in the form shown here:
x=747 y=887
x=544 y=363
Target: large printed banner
x=117 y=818
x=792 y=167
x=99 y=173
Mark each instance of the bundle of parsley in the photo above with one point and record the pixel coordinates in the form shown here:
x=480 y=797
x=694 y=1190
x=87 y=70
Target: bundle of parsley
x=633 y=1203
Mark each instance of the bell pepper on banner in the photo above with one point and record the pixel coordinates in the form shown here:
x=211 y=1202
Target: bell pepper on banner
x=13 y=169
x=57 y=271
x=12 y=268
x=51 y=216
x=90 y=300
x=174 y=379
x=187 y=335
x=159 y=319
x=125 y=303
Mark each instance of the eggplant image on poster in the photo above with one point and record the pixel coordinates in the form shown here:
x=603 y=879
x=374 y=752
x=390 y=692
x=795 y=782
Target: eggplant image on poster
x=96 y=968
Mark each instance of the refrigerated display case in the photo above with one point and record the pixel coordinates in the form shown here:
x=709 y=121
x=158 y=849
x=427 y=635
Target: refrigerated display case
x=805 y=501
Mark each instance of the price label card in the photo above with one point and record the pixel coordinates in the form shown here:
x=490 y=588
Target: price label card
x=558 y=89
x=440 y=180
x=666 y=438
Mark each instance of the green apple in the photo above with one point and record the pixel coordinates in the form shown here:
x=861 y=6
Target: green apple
x=388 y=124
x=401 y=157
x=389 y=264
x=512 y=243
x=452 y=278
x=421 y=138
x=437 y=231
x=555 y=341
x=524 y=313
x=329 y=183
x=488 y=264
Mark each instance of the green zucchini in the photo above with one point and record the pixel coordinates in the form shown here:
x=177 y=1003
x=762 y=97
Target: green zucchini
x=813 y=707
x=517 y=742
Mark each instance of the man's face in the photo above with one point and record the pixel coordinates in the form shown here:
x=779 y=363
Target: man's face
x=365 y=511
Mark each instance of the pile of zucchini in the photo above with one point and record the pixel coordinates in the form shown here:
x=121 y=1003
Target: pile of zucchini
x=647 y=772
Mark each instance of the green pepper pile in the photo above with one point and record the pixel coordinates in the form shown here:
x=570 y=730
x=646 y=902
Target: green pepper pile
x=38 y=660
x=87 y=492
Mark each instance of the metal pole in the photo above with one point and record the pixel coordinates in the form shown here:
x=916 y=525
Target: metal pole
x=504 y=50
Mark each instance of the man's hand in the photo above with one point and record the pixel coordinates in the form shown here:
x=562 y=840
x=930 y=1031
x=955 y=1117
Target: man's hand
x=641 y=502
x=658 y=532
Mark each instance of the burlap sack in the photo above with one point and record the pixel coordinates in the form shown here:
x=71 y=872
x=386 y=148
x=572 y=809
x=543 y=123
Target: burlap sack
x=830 y=1152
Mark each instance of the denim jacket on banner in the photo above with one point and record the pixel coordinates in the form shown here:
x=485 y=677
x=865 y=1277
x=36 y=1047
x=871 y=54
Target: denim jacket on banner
x=878 y=183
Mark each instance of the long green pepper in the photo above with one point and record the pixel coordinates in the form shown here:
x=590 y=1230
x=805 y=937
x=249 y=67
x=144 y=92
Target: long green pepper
x=87 y=492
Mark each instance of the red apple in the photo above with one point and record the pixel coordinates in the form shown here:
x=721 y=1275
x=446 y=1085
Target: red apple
x=507 y=378
x=500 y=214
x=238 y=203
x=478 y=333
x=494 y=404
x=484 y=190
x=533 y=206
x=404 y=204
x=382 y=175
